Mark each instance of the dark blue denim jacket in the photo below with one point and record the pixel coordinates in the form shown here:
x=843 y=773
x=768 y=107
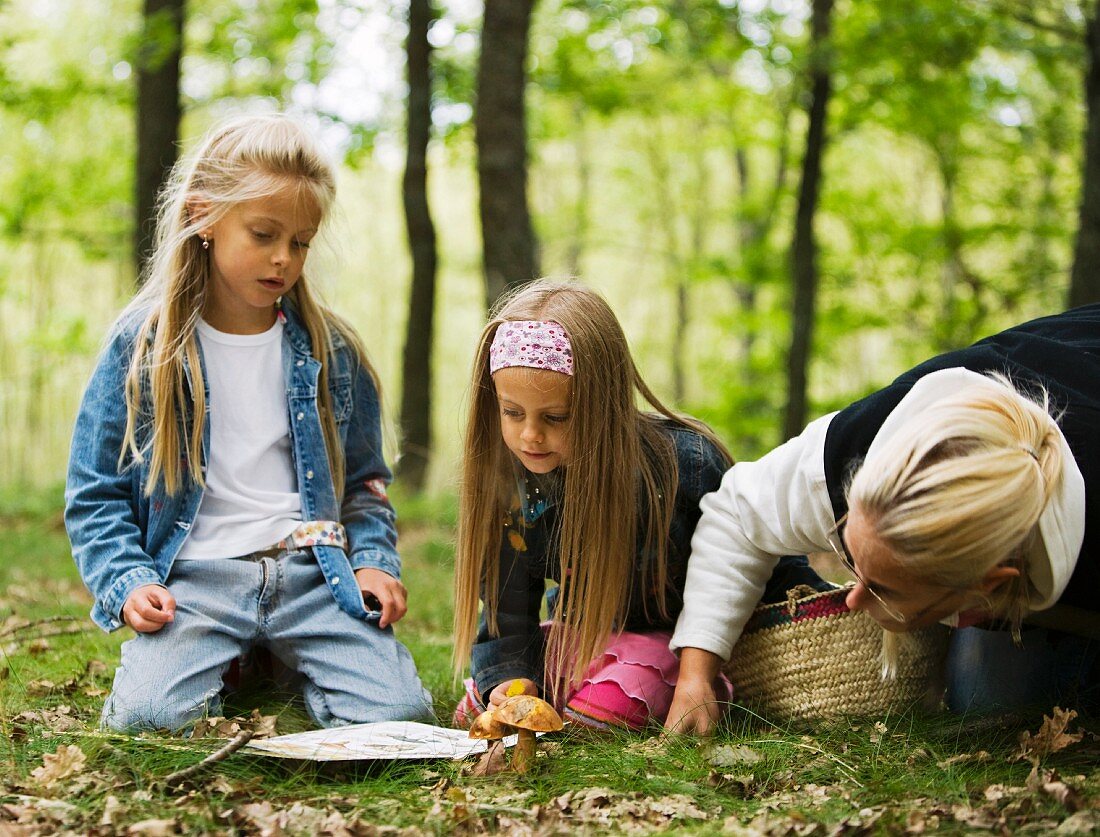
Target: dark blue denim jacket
x=529 y=555
x=123 y=539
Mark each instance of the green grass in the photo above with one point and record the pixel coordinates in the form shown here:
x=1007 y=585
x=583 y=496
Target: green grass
x=914 y=770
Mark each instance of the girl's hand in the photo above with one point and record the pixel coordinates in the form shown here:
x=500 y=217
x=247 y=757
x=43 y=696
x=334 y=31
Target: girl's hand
x=518 y=686
x=388 y=593
x=695 y=707
x=149 y=608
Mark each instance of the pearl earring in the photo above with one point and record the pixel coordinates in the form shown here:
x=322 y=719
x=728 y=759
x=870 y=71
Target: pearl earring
x=205 y=243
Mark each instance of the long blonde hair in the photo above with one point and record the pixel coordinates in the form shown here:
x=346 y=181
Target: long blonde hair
x=245 y=159
x=617 y=450
x=960 y=489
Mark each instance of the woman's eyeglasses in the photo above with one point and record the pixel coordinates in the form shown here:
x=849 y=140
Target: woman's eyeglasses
x=850 y=566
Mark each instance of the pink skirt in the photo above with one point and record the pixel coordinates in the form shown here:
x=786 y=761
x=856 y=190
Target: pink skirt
x=630 y=685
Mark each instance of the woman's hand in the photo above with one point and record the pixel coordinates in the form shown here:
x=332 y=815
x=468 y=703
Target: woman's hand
x=388 y=593
x=149 y=608
x=695 y=708
x=518 y=686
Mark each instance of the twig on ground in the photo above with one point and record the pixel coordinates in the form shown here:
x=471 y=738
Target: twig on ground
x=242 y=738
x=842 y=764
x=15 y=644
x=6 y=632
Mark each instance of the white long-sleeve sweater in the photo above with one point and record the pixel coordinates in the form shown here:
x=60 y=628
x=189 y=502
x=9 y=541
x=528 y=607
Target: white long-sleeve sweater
x=779 y=505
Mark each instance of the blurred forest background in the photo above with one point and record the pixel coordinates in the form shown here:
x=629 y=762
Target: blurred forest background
x=788 y=202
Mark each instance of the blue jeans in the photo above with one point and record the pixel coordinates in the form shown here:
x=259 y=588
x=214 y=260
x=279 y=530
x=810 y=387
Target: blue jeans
x=986 y=671
x=354 y=671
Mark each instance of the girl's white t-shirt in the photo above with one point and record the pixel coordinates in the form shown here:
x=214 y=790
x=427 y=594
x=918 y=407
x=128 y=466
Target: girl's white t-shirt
x=251 y=499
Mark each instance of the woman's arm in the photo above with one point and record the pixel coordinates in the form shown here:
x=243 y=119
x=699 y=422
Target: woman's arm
x=778 y=505
x=695 y=707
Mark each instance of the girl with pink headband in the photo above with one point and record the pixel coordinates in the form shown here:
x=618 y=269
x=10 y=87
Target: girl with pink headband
x=593 y=494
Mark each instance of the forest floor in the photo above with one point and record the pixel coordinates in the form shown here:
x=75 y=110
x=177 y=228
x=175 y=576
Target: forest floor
x=912 y=772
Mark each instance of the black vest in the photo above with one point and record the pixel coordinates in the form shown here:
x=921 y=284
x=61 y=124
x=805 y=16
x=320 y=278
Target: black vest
x=1062 y=353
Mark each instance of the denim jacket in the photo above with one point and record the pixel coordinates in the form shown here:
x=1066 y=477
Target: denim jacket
x=123 y=539
x=529 y=555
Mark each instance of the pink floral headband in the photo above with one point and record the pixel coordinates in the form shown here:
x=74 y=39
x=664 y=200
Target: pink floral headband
x=534 y=343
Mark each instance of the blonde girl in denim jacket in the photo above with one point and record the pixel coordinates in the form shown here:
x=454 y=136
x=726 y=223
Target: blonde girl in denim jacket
x=226 y=486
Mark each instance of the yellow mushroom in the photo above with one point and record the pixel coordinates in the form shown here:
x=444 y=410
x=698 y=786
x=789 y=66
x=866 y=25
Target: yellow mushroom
x=487 y=726
x=527 y=714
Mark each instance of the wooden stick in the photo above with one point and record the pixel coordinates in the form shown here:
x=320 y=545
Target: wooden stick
x=243 y=737
x=47 y=620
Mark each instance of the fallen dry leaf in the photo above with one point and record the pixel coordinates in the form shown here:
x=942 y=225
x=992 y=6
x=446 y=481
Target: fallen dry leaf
x=494 y=760
x=985 y=818
x=980 y=757
x=739 y=784
x=1062 y=793
x=879 y=730
x=67 y=761
x=1050 y=738
x=917 y=822
x=728 y=756
x=629 y=812
x=1048 y=783
x=772 y=825
x=652 y=746
x=919 y=754
x=1083 y=822
x=38 y=688
x=153 y=828
x=262 y=726
x=264 y=819
x=216 y=727
x=112 y=808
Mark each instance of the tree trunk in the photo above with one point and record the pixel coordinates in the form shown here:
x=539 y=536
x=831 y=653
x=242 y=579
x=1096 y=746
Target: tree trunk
x=1084 y=286
x=416 y=378
x=509 y=249
x=804 y=247
x=158 y=115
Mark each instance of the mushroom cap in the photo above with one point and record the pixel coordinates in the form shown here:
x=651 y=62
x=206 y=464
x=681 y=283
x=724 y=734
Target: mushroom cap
x=487 y=725
x=528 y=712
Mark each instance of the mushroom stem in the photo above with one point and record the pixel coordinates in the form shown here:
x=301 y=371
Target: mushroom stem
x=524 y=754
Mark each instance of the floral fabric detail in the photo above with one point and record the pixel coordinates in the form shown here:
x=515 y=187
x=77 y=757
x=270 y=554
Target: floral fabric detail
x=377 y=487
x=533 y=343
x=315 y=533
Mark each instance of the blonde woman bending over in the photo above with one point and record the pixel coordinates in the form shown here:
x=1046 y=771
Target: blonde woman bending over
x=226 y=485
x=564 y=478
x=964 y=492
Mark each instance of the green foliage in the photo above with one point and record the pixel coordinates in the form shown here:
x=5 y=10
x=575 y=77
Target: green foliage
x=665 y=141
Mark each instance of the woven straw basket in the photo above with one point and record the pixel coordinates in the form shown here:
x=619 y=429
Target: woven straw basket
x=811 y=657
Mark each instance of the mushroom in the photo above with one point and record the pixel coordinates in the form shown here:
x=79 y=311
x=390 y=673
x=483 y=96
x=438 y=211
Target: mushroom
x=486 y=726
x=527 y=714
